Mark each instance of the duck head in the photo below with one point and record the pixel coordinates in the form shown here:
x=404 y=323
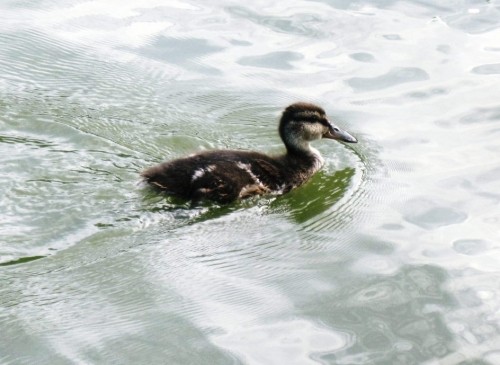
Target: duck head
x=302 y=123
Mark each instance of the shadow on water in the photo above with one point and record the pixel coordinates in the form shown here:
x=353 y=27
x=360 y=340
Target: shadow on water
x=183 y=211
x=315 y=197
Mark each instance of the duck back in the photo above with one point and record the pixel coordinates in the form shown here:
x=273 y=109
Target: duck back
x=222 y=176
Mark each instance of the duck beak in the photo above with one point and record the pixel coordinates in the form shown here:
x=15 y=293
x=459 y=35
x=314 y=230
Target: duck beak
x=340 y=135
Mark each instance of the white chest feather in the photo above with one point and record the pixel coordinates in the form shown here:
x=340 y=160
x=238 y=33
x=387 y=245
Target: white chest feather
x=319 y=161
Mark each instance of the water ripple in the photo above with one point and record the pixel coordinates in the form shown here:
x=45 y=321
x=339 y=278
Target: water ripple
x=298 y=24
x=388 y=255
x=392 y=78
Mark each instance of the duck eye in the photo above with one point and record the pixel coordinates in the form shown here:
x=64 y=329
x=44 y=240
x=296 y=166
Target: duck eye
x=336 y=129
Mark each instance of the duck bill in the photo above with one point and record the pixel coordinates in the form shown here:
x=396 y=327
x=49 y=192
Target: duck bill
x=339 y=135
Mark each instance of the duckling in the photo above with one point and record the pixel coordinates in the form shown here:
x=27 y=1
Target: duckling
x=224 y=176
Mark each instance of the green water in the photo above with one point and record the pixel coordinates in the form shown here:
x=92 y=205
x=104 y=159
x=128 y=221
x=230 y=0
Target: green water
x=389 y=255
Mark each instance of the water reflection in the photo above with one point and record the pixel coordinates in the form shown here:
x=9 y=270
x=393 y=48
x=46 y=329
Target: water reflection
x=21 y=260
x=393 y=319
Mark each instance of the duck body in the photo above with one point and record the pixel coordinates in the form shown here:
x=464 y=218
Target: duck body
x=227 y=175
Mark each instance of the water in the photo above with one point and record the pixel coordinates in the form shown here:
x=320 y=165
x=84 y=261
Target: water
x=390 y=255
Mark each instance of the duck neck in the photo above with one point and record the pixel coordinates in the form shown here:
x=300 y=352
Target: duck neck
x=302 y=153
